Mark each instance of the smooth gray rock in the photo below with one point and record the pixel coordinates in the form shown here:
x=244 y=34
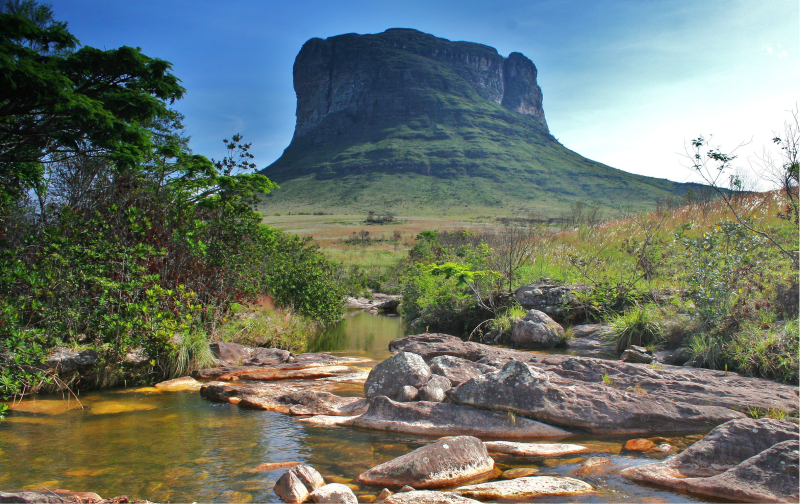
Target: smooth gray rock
x=390 y=376
x=447 y=462
x=536 y=330
x=435 y=389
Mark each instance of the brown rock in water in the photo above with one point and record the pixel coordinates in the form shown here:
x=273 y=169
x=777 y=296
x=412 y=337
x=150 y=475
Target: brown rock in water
x=49 y=497
x=391 y=377
x=595 y=466
x=428 y=497
x=296 y=484
x=525 y=488
x=384 y=494
x=443 y=419
x=533 y=449
x=536 y=330
x=700 y=387
x=334 y=493
x=639 y=444
x=600 y=409
x=446 y=462
x=519 y=472
x=271 y=466
x=179 y=384
x=742 y=460
x=231 y=372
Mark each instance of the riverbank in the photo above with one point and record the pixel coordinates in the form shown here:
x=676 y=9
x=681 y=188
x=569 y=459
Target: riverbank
x=199 y=450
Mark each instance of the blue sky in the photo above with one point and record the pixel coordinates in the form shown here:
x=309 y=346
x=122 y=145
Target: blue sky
x=626 y=83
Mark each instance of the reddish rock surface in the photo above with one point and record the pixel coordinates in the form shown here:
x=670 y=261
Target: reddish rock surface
x=742 y=460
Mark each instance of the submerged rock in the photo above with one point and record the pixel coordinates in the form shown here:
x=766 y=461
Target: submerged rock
x=524 y=488
x=391 y=377
x=537 y=330
x=533 y=449
x=519 y=472
x=595 y=466
x=443 y=419
x=742 y=460
x=638 y=444
x=428 y=497
x=49 y=497
x=595 y=408
x=179 y=384
x=334 y=493
x=296 y=484
x=447 y=462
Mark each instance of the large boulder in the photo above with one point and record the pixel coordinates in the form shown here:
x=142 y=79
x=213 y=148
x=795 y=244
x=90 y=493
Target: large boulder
x=558 y=301
x=537 y=330
x=443 y=419
x=600 y=409
x=296 y=484
x=333 y=493
x=447 y=462
x=64 y=360
x=743 y=460
x=590 y=340
x=525 y=488
x=458 y=370
x=390 y=376
x=434 y=390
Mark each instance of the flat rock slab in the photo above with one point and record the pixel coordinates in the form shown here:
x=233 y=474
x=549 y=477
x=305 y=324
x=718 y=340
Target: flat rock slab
x=51 y=497
x=179 y=384
x=288 y=398
x=596 y=408
x=447 y=462
x=444 y=419
x=297 y=374
x=428 y=497
x=328 y=420
x=525 y=488
x=458 y=370
x=702 y=387
x=299 y=362
x=534 y=449
x=742 y=460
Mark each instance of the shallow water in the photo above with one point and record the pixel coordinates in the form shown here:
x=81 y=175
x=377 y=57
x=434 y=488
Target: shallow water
x=178 y=447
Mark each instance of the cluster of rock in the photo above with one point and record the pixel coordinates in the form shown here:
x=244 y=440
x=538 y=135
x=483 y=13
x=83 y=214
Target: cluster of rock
x=742 y=460
x=558 y=301
x=462 y=464
x=378 y=303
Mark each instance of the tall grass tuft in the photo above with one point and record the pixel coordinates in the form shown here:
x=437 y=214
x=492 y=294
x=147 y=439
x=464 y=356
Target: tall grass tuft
x=191 y=353
x=637 y=326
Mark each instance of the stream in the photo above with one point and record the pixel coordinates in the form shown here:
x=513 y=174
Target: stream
x=179 y=447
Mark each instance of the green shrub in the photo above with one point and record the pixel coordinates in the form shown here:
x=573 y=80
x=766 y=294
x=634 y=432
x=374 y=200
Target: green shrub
x=769 y=353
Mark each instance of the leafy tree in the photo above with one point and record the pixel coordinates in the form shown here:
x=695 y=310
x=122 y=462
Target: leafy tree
x=58 y=100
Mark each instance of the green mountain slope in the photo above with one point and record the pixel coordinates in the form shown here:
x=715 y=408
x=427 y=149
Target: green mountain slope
x=405 y=122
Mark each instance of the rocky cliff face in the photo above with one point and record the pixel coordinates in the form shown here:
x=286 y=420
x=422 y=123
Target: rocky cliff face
x=344 y=80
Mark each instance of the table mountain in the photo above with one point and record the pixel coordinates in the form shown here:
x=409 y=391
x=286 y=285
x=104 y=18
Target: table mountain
x=405 y=121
